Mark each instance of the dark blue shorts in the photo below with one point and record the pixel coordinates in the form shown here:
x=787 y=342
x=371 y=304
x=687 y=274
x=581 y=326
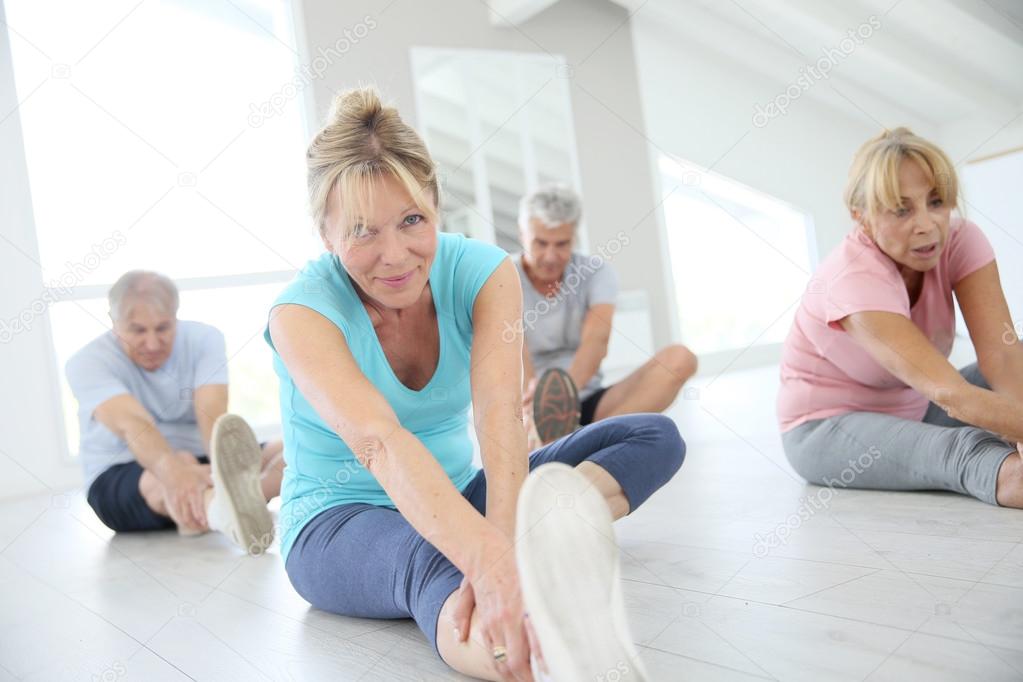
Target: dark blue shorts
x=588 y=407
x=116 y=499
x=367 y=561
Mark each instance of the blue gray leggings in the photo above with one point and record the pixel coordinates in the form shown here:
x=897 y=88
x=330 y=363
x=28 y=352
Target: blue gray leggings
x=872 y=450
x=368 y=561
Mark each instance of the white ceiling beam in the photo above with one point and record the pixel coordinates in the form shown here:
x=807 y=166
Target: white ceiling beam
x=897 y=53
x=515 y=12
x=771 y=59
x=1005 y=19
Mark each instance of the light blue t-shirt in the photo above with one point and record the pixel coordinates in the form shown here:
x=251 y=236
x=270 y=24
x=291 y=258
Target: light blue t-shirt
x=322 y=471
x=101 y=370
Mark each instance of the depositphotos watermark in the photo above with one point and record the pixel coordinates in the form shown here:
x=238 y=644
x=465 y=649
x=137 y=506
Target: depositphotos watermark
x=569 y=286
x=616 y=674
x=307 y=73
x=811 y=74
x=810 y=505
x=318 y=500
x=73 y=275
x=112 y=672
x=1013 y=333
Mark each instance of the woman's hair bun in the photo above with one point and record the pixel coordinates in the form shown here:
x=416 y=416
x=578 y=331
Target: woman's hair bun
x=359 y=105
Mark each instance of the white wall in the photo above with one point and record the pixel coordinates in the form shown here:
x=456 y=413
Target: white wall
x=617 y=184
x=991 y=178
x=32 y=448
x=979 y=136
x=992 y=190
x=699 y=106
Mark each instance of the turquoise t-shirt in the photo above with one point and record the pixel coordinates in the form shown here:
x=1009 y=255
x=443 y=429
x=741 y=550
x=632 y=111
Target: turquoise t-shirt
x=322 y=472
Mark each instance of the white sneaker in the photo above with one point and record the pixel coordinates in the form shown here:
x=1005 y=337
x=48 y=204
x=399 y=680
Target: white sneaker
x=570 y=578
x=238 y=508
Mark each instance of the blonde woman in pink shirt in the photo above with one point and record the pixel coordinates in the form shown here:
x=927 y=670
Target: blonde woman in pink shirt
x=868 y=397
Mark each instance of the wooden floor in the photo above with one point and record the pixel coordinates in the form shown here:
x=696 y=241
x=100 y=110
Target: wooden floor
x=855 y=585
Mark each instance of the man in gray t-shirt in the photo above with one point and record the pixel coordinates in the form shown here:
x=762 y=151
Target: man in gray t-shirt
x=152 y=402
x=568 y=306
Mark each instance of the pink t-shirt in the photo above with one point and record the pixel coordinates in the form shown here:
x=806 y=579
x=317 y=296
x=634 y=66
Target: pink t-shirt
x=825 y=372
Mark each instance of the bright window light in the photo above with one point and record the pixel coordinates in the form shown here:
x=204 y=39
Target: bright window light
x=740 y=259
x=143 y=151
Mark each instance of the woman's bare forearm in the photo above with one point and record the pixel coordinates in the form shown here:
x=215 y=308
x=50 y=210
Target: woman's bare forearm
x=425 y=496
x=528 y=372
x=988 y=410
x=502 y=439
x=1005 y=373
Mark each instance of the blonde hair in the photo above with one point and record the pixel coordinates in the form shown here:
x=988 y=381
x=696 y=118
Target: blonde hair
x=362 y=141
x=873 y=183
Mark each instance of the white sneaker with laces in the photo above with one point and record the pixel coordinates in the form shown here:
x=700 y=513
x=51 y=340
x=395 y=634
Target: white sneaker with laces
x=570 y=578
x=238 y=508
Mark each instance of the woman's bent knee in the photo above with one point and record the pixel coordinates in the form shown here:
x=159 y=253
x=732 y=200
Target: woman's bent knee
x=666 y=446
x=669 y=443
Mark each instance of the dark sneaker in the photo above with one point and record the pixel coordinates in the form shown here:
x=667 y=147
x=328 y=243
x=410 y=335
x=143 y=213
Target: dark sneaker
x=555 y=405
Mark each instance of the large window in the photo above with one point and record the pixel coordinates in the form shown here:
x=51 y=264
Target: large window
x=498 y=124
x=991 y=198
x=165 y=135
x=740 y=259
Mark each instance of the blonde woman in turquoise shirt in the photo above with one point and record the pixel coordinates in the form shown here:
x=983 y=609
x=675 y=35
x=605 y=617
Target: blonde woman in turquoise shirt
x=381 y=345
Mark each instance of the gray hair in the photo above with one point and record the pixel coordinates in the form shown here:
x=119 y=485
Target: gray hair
x=552 y=205
x=137 y=286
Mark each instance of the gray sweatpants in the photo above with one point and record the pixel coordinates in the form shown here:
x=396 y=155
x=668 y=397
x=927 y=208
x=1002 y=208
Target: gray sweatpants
x=882 y=452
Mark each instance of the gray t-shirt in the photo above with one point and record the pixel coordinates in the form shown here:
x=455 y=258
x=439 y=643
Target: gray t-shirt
x=101 y=370
x=553 y=325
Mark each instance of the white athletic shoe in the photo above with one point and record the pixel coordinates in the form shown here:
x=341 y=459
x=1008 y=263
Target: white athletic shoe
x=238 y=508
x=570 y=578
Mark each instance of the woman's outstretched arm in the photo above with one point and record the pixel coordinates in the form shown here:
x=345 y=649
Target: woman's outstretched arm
x=995 y=338
x=899 y=346
x=496 y=377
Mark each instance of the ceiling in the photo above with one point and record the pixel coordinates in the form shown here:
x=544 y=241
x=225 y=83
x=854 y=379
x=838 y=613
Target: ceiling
x=930 y=63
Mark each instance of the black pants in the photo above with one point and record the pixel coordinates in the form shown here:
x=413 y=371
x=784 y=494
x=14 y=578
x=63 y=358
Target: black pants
x=116 y=499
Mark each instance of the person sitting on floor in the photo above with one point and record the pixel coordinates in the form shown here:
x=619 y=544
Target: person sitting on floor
x=382 y=344
x=152 y=398
x=569 y=302
x=868 y=398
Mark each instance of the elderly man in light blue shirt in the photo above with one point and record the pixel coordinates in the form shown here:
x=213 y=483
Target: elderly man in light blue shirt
x=152 y=399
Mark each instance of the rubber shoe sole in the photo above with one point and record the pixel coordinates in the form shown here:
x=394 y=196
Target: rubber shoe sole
x=556 y=407
x=570 y=577
x=235 y=461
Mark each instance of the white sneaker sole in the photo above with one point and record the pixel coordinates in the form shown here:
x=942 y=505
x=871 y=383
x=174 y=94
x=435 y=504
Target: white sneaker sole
x=235 y=460
x=570 y=578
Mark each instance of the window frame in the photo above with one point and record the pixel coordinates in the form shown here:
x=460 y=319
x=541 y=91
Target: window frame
x=30 y=278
